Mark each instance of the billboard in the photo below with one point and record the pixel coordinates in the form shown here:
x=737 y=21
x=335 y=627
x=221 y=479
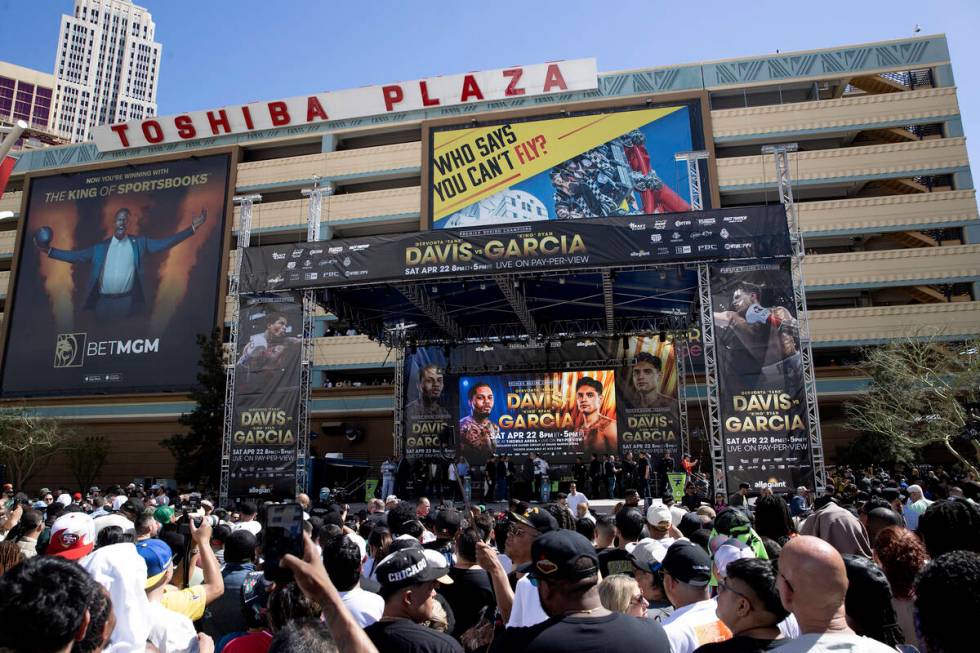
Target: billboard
x=267 y=397
x=760 y=376
x=584 y=165
x=558 y=415
x=118 y=271
x=714 y=234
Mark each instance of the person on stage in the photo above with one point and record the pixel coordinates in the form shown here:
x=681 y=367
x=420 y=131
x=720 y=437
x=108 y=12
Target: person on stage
x=428 y=405
x=598 y=431
x=646 y=380
x=477 y=432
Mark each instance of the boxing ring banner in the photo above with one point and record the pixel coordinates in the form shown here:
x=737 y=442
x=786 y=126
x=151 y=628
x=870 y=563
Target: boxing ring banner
x=541 y=246
x=267 y=397
x=760 y=377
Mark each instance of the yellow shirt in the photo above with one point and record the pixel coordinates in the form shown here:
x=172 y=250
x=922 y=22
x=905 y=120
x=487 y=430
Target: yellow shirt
x=189 y=602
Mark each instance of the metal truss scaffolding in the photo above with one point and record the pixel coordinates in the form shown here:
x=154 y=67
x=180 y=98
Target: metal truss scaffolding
x=244 y=236
x=510 y=288
x=399 y=416
x=313 y=216
x=781 y=155
x=693 y=161
x=682 y=395
x=711 y=380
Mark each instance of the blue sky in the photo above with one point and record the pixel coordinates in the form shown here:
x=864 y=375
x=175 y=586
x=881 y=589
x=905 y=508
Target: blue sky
x=224 y=52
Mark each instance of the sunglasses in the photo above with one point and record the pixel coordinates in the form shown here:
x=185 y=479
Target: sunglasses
x=723 y=586
x=517 y=531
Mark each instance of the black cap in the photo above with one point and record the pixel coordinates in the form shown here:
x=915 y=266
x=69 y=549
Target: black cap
x=402 y=543
x=688 y=563
x=133 y=506
x=555 y=555
x=538 y=519
x=409 y=567
x=448 y=521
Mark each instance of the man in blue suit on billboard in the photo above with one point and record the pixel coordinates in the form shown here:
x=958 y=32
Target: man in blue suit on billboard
x=115 y=287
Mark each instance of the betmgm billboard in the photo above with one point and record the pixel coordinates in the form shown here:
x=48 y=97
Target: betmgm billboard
x=613 y=161
x=117 y=272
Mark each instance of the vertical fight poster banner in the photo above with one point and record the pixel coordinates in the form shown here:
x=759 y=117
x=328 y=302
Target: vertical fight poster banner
x=646 y=395
x=760 y=376
x=557 y=415
x=428 y=423
x=267 y=396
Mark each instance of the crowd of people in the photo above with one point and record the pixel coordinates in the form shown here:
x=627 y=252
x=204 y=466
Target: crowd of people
x=878 y=562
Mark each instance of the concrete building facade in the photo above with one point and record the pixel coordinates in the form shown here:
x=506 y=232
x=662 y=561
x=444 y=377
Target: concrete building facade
x=886 y=202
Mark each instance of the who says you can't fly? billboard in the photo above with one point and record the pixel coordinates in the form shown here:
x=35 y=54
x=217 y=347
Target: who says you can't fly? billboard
x=586 y=165
x=119 y=270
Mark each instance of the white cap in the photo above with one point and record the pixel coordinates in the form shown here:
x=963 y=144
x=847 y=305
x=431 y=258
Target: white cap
x=118 y=502
x=658 y=514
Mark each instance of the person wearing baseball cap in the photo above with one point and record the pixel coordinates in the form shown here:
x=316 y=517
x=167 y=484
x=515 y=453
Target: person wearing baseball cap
x=408 y=585
x=523 y=530
x=648 y=558
x=72 y=536
x=659 y=524
x=169 y=630
x=565 y=568
x=687 y=574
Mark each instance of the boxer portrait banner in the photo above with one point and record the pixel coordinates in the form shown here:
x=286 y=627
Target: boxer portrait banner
x=760 y=376
x=267 y=395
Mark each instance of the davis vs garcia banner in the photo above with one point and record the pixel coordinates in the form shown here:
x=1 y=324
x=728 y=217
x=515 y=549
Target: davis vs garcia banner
x=760 y=376
x=739 y=232
x=267 y=395
x=598 y=164
x=118 y=272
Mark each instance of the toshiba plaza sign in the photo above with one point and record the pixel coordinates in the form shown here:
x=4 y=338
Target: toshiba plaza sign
x=443 y=91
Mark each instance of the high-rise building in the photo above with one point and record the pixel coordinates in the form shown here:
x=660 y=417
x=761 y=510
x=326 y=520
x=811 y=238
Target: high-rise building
x=27 y=94
x=107 y=67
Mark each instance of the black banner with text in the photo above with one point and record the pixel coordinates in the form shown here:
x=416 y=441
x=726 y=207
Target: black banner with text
x=760 y=376
x=267 y=396
x=718 y=234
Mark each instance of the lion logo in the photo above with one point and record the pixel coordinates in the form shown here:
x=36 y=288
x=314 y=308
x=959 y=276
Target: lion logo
x=69 y=350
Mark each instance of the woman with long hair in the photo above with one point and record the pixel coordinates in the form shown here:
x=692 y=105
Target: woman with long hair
x=378 y=544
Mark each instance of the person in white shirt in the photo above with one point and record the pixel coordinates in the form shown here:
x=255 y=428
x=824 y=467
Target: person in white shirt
x=343 y=560
x=247 y=521
x=115 y=287
x=575 y=498
x=812 y=584
x=687 y=572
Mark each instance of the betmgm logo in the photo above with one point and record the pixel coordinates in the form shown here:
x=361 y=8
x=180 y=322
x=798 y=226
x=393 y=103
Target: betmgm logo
x=71 y=348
